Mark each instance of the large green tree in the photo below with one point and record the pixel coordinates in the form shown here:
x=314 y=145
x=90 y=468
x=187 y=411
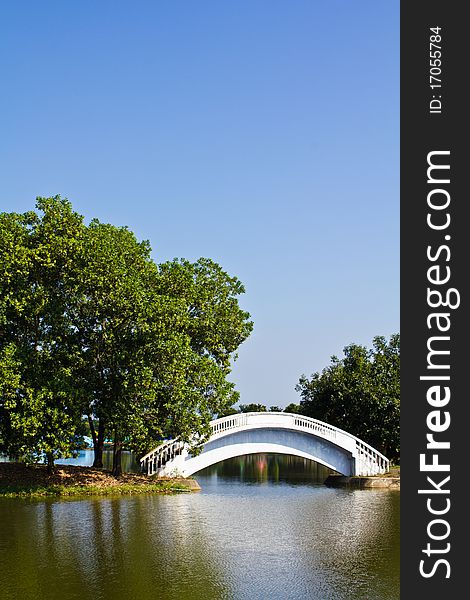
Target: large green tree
x=158 y=342
x=213 y=326
x=91 y=325
x=360 y=393
x=112 y=314
x=39 y=404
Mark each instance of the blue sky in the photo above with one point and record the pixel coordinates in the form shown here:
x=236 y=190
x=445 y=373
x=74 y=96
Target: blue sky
x=262 y=134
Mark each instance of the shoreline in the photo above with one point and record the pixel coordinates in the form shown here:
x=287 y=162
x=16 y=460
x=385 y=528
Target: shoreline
x=359 y=482
x=18 y=480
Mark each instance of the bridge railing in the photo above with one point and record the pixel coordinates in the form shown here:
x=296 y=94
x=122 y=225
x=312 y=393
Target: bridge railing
x=159 y=456
x=370 y=461
x=315 y=426
x=264 y=419
x=230 y=422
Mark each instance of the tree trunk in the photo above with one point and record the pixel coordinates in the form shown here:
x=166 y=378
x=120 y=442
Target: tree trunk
x=98 y=443
x=117 y=455
x=50 y=463
x=91 y=423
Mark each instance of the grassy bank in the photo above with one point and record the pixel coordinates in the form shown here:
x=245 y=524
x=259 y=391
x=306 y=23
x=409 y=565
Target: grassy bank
x=19 y=480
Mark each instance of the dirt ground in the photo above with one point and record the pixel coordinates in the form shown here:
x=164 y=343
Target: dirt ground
x=68 y=475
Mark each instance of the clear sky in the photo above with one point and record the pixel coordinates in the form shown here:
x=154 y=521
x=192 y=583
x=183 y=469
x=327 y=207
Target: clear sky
x=263 y=134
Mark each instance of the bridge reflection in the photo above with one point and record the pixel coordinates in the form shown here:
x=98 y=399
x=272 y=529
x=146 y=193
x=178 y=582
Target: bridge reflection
x=264 y=468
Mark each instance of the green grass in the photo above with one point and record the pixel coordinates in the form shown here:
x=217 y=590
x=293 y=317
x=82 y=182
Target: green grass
x=128 y=489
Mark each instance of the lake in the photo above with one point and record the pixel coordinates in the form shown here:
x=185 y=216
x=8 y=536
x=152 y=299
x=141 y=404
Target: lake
x=263 y=527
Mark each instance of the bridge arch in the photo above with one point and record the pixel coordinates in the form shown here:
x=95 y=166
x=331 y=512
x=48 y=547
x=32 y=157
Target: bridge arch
x=276 y=432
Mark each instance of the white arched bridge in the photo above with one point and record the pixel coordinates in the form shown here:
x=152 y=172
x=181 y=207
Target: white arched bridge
x=273 y=432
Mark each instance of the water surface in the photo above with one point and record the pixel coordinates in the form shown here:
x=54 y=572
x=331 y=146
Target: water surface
x=263 y=527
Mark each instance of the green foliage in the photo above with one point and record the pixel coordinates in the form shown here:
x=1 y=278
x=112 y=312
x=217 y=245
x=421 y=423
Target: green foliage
x=360 y=394
x=91 y=325
x=124 y=489
x=227 y=412
x=39 y=407
x=293 y=408
x=211 y=327
x=246 y=408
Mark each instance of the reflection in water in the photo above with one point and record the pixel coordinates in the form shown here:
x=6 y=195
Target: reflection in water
x=272 y=468
x=263 y=527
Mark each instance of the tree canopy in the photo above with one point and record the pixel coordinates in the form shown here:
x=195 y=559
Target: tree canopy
x=91 y=325
x=360 y=393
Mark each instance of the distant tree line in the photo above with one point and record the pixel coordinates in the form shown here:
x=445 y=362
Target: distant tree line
x=246 y=408
x=91 y=327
